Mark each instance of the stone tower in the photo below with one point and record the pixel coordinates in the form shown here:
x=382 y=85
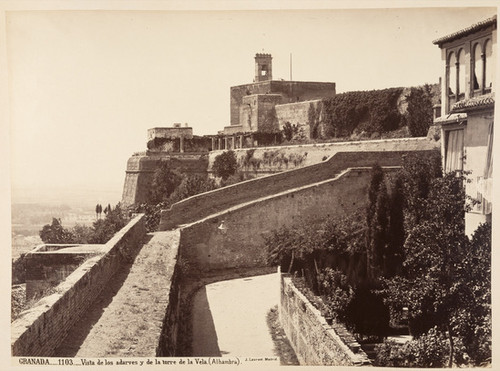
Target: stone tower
x=263 y=67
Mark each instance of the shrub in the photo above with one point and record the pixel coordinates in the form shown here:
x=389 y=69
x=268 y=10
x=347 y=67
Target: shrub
x=225 y=164
x=429 y=350
x=337 y=292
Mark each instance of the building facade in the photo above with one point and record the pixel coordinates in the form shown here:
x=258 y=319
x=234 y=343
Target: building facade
x=467 y=111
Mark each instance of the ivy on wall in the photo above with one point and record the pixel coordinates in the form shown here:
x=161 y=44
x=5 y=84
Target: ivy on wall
x=370 y=111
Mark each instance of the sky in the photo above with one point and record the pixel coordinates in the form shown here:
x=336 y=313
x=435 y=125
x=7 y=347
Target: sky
x=84 y=86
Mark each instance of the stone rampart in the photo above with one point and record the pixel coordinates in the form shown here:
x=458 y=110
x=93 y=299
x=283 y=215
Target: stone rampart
x=41 y=329
x=48 y=265
x=266 y=160
x=205 y=204
x=234 y=238
x=314 y=341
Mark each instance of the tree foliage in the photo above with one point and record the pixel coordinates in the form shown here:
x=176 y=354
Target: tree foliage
x=225 y=164
x=419 y=113
x=371 y=111
x=165 y=181
x=55 y=233
x=445 y=281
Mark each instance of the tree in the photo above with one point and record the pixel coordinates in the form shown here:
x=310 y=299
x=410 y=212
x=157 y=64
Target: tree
x=105 y=228
x=192 y=185
x=164 y=183
x=225 y=164
x=445 y=276
x=396 y=231
x=376 y=221
x=419 y=114
x=55 y=233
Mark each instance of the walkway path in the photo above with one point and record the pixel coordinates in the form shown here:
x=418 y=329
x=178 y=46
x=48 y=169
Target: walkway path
x=229 y=317
x=126 y=319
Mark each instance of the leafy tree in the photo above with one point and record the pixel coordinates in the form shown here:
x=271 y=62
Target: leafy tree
x=439 y=267
x=55 y=233
x=225 y=164
x=419 y=114
x=376 y=221
x=105 y=228
x=396 y=231
x=81 y=234
x=164 y=183
x=192 y=185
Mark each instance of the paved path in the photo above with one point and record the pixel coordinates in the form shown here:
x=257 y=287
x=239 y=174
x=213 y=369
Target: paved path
x=126 y=319
x=229 y=317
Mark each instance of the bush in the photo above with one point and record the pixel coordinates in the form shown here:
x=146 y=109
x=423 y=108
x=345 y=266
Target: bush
x=429 y=350
x=337 y=292
x=225 y=164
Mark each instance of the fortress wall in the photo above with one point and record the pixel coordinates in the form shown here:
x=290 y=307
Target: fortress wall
x=205 y=204
x=234 y=238
x=316 y=153
x=295 y=114
x=141 y=168
x=314 y=341
x=45 y=270
x=41 y=329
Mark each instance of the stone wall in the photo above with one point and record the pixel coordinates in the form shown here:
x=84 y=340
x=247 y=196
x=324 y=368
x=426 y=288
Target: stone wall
x=41 y=329
x=141 y=168
x=291 y=91
x=315 y=153
x=314 y=341
x=205 y=204
x=296 y=114
x=48 y=265
x=234 y=238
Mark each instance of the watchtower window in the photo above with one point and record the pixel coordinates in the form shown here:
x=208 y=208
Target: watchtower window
x=263 y=71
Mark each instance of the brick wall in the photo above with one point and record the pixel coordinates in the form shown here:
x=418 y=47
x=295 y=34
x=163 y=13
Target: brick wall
x=40 y=330
x=234 y=238
x=296 y=114
x=314 y=341
x=205 y=204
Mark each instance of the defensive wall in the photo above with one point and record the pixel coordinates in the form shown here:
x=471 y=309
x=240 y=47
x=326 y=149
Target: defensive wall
x=41 y=329
x=291 y=91
x=141 y=168
x=315 y=341
x=234 y=237
x=202 y=205
x=48 y=265
x=275 y=159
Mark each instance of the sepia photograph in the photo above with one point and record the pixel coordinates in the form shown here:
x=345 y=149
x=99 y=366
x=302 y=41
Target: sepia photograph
x=194 y=184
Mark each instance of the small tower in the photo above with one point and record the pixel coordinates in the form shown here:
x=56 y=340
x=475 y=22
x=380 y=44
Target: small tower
x=263 y=67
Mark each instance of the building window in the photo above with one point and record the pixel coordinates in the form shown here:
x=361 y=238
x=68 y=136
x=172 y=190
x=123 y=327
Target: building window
x=461 y=81
x=488 y=66
x=478 y=68
x=454 y=154
x=451 y=78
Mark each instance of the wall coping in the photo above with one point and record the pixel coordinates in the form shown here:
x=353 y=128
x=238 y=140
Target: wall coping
x=344 y=340
x=334 y=144
x=28 y=317
x=244 y=205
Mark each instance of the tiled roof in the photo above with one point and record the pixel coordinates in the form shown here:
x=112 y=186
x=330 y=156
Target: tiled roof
x=475 y=27
x=474 y=103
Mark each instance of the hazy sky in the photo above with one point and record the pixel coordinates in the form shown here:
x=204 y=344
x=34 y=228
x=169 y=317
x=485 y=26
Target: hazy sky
x=84 y=86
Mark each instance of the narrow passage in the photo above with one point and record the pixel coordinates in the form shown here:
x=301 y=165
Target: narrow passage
x=126 y=319
x=229 y=317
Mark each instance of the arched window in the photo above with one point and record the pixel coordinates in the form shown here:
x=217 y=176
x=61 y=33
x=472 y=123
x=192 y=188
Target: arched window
x=461 y=74
x=488 y=67
x=478 y=67
x=452 y=74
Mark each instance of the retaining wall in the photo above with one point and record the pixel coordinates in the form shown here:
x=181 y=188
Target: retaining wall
x=208 y=203
x=316 y=153
x=41 y=329
x=234 y=238
x=314 y=341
